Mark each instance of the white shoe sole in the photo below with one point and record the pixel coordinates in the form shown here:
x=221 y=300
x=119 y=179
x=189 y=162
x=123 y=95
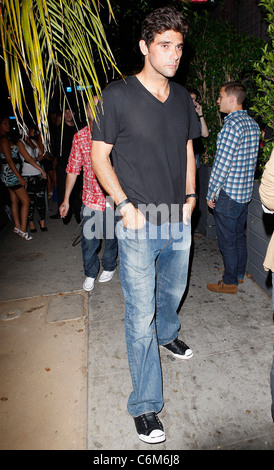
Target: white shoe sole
x=106 y=279
x=188 y=354
x=88 y=290
x=155 y=437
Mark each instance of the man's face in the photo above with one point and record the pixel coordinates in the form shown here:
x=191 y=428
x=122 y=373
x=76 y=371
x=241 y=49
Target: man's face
x=90 y=113
x=224 y=101
x=68 y=115
x=164 y=53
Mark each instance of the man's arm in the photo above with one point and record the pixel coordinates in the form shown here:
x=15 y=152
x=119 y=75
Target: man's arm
x=204 y=128
x=188 y=208
x=104 y=171
x=222 y=162
x=70 y=182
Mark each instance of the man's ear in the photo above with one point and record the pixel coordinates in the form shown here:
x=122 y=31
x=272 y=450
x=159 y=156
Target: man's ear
x=143 y=47
x=232 y=99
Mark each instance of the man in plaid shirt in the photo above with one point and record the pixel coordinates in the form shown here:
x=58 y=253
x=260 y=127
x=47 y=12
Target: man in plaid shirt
x=231 y=184
x=97 y=214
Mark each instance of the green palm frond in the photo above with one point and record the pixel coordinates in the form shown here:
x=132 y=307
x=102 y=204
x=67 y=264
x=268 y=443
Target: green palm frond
x=45 y=39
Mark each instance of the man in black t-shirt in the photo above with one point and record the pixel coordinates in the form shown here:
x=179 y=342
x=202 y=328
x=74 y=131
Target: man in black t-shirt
x=147 y=124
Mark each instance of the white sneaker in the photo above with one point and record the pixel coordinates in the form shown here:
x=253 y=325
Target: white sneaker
x=106 y=276
x=88 y=284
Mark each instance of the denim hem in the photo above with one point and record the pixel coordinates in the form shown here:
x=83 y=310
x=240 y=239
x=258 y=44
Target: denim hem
x=107 y=267
x=93 y=275
x=164 y=344
x=146 y=412
x=230 y=283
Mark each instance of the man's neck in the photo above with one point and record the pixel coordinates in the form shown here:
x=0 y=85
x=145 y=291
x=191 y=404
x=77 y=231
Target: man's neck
x=69 y=123
x=158 y=86
x=235 y=108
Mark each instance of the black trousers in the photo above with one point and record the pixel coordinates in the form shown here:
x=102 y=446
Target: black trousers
x=36 y=190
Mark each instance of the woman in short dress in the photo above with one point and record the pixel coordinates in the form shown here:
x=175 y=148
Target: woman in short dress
x=12 y=179
x=35 y=177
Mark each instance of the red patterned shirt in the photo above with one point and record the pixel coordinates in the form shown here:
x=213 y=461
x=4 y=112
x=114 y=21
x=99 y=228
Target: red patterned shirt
x=93 y=195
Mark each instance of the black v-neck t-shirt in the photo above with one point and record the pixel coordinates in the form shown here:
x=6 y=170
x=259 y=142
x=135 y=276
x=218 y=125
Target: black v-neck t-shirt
x=149 y=140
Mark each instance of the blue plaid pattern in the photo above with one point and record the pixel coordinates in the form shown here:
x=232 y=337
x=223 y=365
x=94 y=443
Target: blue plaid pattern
x=236 y=158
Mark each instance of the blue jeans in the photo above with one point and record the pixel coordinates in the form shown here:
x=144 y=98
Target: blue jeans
x=95 y=226
x=230 y=219
x=272 y=366
x=153 y=269
x=272 y=386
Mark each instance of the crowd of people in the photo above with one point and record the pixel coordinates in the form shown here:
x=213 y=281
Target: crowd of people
x=140 y=152
x=30 y=175
x=23 y=177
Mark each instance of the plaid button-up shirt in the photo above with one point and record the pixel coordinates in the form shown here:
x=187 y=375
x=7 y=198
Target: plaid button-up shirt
x=93 y=195
x=236 y=158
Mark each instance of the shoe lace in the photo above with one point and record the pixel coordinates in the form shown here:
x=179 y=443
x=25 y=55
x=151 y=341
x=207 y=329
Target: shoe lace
x=157 y=419
x=143 y=417
x=145 y=421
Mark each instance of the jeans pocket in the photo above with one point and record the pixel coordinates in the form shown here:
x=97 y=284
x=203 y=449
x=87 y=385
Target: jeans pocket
x=135 y=229
x=130 y=233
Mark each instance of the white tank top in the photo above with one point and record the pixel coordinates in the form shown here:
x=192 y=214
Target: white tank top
x=28 y=169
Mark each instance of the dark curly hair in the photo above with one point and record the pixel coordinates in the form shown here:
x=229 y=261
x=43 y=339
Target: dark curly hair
x=161 y=20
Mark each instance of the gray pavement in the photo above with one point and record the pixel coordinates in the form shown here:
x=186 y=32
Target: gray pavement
x=219 y=399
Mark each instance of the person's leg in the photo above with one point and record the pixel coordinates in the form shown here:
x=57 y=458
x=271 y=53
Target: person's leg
x=14 y=207
x=109 y=258
x=52 y=177
x=137 y=272
x=241 y=243
x=61 y=184
x=32 y=195
x=227 y=213
x=23 y=196
x=31 y=211
x=60 y=190
x=40 y=200
x=272 y=367
x=92 y=230
x=272 y=386
x=172 y=273
x=75 y=198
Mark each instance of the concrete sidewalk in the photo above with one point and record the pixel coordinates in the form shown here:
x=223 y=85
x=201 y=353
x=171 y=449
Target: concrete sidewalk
x=43 y=340
x=219 y=399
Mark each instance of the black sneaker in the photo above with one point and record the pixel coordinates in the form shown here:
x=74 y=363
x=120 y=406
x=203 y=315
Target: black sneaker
x=179 y=349
x=150 y=428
